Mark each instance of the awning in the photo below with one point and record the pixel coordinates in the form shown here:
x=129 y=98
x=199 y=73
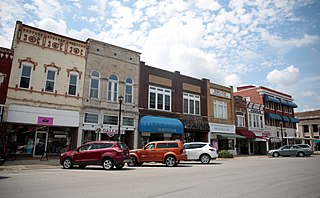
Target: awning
x=285 y=118
x=230 y=135
x=294 y=119
x=155 y=124
x=291 y=104
x=246 y=133
x=272 y=99
x=270 y=116
x=284 y=102
x=317 y=141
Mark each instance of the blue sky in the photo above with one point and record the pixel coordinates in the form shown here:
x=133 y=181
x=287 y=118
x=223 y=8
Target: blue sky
x=271 y=43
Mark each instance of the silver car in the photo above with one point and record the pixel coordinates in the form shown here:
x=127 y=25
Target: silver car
x=290 y=150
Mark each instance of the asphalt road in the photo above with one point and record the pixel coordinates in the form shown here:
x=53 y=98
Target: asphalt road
x=290 y=177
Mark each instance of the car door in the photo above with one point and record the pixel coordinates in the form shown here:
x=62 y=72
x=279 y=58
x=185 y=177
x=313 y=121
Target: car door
x=94 y=153
x=81 y=154
x=294 y=150
x=191 y=150
x=285 y=150
x=148 y=153
x=161 y=149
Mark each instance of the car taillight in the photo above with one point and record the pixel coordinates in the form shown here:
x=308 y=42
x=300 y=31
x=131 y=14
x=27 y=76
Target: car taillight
x=213 y=149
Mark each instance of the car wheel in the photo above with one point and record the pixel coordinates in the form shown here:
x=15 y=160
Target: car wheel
x=119 y=166
x=107 y=164
x=301 y=154
x=275 y=154
x=205 y=159
x=67 y=163
x=133 y=161
x=82 y=166
x=170 y=161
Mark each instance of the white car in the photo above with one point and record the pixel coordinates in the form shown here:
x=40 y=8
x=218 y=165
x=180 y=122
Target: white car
x=202 y=151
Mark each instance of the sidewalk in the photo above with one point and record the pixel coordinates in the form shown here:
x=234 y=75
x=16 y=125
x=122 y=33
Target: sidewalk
x=31 y=163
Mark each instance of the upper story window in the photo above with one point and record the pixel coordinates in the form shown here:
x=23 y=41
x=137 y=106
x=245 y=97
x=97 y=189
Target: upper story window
x=26 y=75
x=113 y=88
x=91 y=118
x=240 y=119
x=315 y=128
x=127 y=121
x=111 y=120
x=50 y=80
x=159 y=98
x=191 y=104
x=73 y=84
x=94 y=84
x=220 y=109
x=129 y=90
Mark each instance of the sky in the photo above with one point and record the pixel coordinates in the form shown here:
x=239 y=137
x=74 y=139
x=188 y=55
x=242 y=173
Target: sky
x=271 y=43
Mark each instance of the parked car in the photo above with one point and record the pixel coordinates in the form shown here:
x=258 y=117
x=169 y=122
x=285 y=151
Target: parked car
x=202 y=151
x=105 y=153
x=167 y=152
x=290 y=150
x=304 y=145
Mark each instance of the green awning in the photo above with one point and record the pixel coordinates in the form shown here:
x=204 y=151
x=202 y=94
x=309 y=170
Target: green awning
x=271 y=99
x=270 y=116
x=317 y=141
x=230 y=135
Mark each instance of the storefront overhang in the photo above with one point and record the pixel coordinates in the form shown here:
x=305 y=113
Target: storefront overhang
x=270 y=116
x=291 y=104
x=155 y=124
x=271 y=99
x=317 y=141
x=229 y=135
x=285 y=118
x=246 y=133
x=196 y=125
x=294 y=119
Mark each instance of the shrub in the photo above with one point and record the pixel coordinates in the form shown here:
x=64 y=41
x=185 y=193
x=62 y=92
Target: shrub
x=225 y=154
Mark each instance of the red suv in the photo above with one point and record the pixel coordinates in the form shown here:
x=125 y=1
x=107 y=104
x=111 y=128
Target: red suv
x=105 y=153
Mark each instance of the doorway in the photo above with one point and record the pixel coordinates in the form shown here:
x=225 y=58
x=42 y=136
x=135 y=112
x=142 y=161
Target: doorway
x=40 y=146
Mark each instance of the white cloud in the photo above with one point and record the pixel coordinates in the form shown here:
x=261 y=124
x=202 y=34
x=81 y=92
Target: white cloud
x=47 y=8
x=285 y=77
x=232 y=80
x=99 y=6
x=53 y=25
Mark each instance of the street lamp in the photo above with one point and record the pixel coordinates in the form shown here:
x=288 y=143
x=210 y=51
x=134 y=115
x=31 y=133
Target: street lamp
x=120 y=98
x=281 y=133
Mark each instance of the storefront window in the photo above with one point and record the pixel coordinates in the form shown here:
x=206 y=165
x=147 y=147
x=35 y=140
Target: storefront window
x=59 y=140
x=89 y=136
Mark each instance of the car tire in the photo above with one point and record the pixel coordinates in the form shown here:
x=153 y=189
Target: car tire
x=107 y=163
x=119 y=166
x=170 y=161
x=67 y=163
x=205 y=158
x=301 y=154
x=275 y=154
x=82 y=166
x=133 y=162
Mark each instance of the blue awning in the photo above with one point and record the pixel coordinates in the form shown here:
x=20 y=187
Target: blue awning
x=272 y=99
x=291 y=104
x=284 y=102
x=294 y=119
x=285 y=118
x=155 y=124
x=270 y=116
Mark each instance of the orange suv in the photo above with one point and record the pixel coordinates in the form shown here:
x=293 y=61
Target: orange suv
x=167 y=152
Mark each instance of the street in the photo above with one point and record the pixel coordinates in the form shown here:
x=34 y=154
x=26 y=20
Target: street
x=262 y=177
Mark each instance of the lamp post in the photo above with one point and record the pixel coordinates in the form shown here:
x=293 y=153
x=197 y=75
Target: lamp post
x=281 y=133
x=120 y=98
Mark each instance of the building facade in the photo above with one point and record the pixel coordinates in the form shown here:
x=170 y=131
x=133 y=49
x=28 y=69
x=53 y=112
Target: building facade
x=308 y=128
x=172 y=106
x=277 y=125
x=111 y=73
x=221 y=118
x=45 y=91
x=6 y=57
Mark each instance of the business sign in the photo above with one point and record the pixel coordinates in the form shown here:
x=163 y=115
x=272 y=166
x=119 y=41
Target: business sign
x=45 y=120
x=220 y=93
x=109 y=132
x=221 y=128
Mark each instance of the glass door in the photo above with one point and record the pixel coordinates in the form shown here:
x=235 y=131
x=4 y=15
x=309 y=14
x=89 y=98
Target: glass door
x=40 y=145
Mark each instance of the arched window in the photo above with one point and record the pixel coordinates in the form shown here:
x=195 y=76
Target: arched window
x=113 y=88
x=129 y=90
x=94 y=84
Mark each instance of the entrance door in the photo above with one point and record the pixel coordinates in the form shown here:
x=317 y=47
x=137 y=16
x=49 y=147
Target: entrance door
x=40 y=145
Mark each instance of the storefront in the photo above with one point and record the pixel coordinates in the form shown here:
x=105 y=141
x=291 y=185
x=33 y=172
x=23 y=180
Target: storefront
x=223 y=137
x=152 y=128
x=195 y=130
x=33 y=130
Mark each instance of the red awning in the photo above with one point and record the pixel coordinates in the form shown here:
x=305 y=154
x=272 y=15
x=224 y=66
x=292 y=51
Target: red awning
x=246 y=133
